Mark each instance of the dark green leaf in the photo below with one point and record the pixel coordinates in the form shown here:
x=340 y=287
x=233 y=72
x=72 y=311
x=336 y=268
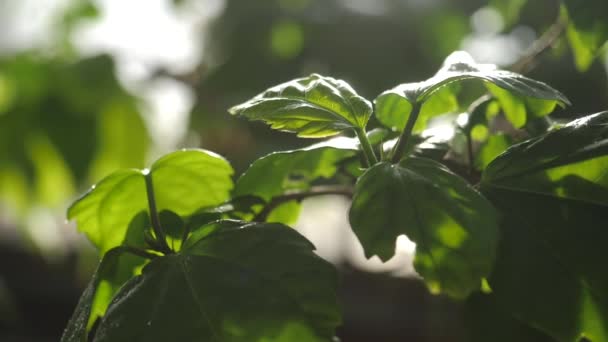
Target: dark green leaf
x=550 y=268
x=553 y=194
x=313 y=106
x=260 y=282
x=569 y=162
x=587 y=29
x=107 y=275
x=454 y=227
x=184 y=181
x=486 y=321
x=394 y=106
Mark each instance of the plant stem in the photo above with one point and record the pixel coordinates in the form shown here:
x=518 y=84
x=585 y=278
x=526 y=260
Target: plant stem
x=399 y=148
x=368 y=151
x=300 y=195
x=140 y=252
x=470 y=160
x=154 y=219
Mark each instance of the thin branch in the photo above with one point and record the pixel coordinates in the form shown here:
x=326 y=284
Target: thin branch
x=140 y=252
x=276 y=201
x=540 y=46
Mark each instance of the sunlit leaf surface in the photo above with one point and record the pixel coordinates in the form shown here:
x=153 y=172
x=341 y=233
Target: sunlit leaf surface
x=313 y=106
x=454 y=227
x=392 y=107
x=184 y=181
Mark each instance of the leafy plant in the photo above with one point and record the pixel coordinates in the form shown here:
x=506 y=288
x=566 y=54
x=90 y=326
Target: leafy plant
x=189 y=255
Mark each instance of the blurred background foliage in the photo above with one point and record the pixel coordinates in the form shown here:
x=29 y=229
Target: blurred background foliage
x=87 y=87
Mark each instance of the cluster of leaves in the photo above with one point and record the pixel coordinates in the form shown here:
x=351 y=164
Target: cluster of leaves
x=190 y=255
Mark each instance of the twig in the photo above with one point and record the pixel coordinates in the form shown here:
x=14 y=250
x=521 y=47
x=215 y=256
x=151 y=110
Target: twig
x=276 y=201
x=546 y=41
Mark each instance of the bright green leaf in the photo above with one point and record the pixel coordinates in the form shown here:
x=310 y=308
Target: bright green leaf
x=394 y=106
x=519 y=110
x=489 y=150
x=260 y=282
x=313 y=106
x=184 y=182
x=280 y=172
x=454 y=227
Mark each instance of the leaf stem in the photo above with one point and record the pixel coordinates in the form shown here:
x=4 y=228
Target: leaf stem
x=366 y=146
x=300 y=195
x=399 y=148
x=140 y=252
x=158 y=230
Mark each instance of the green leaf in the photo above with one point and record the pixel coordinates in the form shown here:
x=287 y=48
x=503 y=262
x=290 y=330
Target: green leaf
x=313 y=106
x=486 y=320
x=587 y=29
x=493 y=147
x=549 y=270
x=184 y=181
x=569 y=162
x=394 y=106
x=553 y=194
x=279 y=172
x=257 y=282
x=107 y=272
x=454 y=227
x=519 y=110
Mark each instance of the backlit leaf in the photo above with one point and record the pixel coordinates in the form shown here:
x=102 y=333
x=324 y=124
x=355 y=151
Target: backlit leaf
x=454 y=227
x=184 y=181
x=313 y=106
x=393 y=112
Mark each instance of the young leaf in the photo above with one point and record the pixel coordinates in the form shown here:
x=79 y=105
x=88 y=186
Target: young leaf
x=257 y=282
x=454 y=227
x=457 y=67
x=392 y=105
x=553 y=193
x=279 y=172
x=184 y=181
x=314 y=106
x=79 y=325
